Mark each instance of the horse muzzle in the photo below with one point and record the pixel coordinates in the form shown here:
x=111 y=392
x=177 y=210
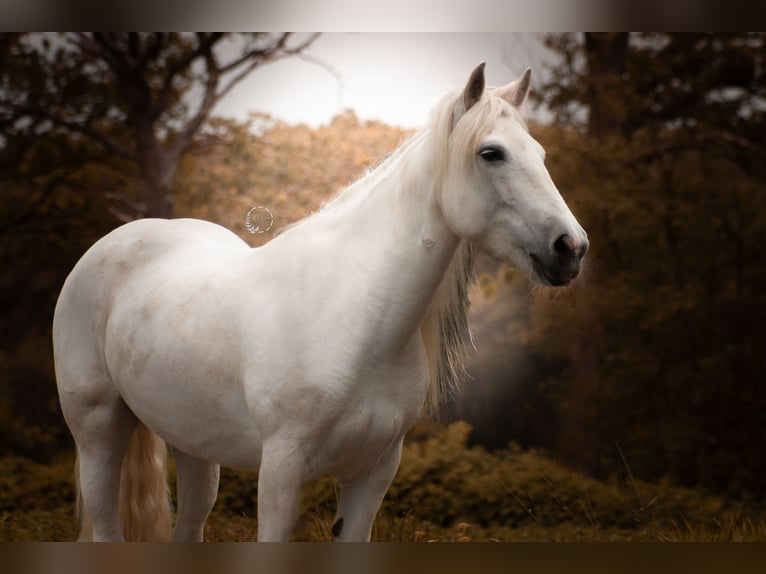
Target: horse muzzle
x=563 y=262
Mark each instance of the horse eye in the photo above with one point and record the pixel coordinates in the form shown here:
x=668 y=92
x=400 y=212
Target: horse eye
x=492 y=154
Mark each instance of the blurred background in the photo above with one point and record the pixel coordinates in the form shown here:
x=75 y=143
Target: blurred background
x=646 y=368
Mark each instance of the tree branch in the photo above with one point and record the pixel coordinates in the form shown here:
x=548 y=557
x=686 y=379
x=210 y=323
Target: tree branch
x=213 y=95
x=42 y=197
x=130 y=79
x=115 y=57
x=83 y=128
x=204 y=48
x=184 y=137
x=254 y=53
x=324 y=65
x=276 y=52
x=86 y=44
x=158 y=40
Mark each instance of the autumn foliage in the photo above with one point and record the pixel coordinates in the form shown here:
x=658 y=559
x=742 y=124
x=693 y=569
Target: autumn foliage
x=596 y=408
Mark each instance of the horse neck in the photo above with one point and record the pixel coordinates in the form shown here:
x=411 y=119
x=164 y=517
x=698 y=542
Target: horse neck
x=393 y=230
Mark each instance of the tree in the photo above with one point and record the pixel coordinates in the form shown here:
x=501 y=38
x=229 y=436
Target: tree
x=707 y=85
x=605 y=56
x=93 y=128
x=661 y=354
x=129 y=93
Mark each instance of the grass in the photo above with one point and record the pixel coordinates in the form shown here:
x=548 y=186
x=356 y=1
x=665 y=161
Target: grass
x=445 y=491
x=59 y=524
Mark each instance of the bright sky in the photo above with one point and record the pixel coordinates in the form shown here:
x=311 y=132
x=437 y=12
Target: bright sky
x=396 y=78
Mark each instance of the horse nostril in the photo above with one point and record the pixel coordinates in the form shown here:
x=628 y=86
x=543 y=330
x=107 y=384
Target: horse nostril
x=583 y=249
x=564 y=245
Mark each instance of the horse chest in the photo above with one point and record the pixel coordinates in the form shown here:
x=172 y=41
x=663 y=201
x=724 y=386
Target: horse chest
x=359 y=437
x=382 y=406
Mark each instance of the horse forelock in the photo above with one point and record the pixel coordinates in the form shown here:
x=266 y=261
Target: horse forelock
x=456 y=145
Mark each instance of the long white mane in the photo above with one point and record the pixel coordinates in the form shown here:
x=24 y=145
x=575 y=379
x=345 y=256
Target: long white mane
x=445 y=330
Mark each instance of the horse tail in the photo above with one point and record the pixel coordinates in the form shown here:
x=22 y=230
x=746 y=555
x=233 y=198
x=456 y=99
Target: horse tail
x=145 y=512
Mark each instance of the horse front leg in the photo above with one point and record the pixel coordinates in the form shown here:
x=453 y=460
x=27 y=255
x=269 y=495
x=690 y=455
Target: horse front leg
x=360 y=499
x=282 y=473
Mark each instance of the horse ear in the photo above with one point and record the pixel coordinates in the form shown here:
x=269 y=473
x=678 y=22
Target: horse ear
x=471 y=93
x=474 y=88
x=516 y=92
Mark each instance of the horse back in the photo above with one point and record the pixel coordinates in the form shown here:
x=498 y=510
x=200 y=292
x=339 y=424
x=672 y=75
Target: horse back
x=132 y=248
x=114 y=265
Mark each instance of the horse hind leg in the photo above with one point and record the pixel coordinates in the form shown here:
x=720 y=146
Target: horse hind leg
x=121 y=465
x=197 y=491
x=102 y=436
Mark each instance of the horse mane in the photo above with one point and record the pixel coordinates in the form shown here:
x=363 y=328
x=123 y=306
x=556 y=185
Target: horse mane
x=445 y=331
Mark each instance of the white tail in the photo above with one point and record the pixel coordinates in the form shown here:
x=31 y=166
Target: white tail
x=145 y=511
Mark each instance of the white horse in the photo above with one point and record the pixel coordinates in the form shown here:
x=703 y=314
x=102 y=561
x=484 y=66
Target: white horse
x=310 y=355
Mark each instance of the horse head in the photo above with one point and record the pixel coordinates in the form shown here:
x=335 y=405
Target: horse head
x=496 y=190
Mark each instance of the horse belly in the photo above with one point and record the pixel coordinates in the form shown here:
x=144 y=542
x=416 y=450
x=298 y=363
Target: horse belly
x=194 y=410
x=175 y=362
x=196 y=417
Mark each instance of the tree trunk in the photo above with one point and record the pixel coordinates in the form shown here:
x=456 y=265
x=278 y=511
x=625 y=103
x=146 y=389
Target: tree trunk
x=158 y=169
x=605 y=54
